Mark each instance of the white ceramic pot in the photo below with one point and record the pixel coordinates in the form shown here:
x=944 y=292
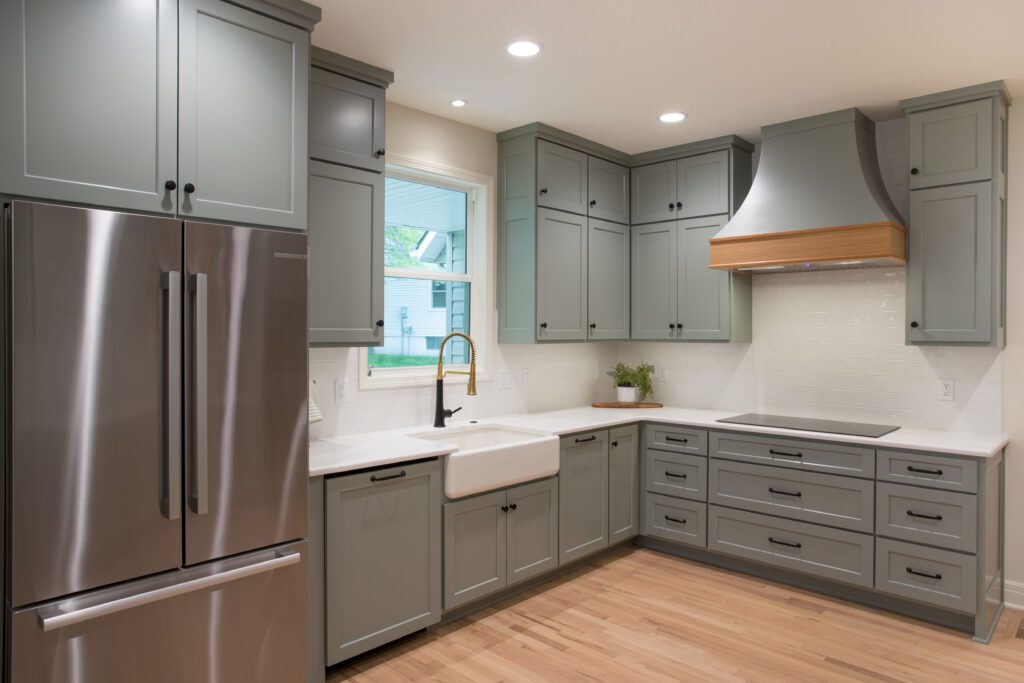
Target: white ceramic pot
x=626 y=394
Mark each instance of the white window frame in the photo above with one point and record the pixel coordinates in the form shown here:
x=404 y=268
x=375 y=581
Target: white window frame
x=480 y=231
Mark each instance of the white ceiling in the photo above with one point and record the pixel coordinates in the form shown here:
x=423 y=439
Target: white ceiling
x=609 y=67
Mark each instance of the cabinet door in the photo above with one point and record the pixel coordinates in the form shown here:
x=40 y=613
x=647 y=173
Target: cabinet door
x=561 y=276
x=950 y=145
x=608 y=280
x=703 y=293
x=474 y=548
x=532 y=529
x=702 y=185
x=653 y=273
x=653 y=193
x=608 y=192
x=346 y=120
x=88 y=113
x=949 y=289
x=346 y=255
x=383 y=556
x=242 y=116
x=583 y=496
x=623 y=484
x=561 y=178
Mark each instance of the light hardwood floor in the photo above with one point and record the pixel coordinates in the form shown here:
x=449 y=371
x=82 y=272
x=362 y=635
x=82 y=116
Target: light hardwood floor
x=637 y=615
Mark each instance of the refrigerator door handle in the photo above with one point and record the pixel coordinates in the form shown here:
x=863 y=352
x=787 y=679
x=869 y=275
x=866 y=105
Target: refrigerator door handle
x=53 y=618
x=171 y=502
x=199 y=495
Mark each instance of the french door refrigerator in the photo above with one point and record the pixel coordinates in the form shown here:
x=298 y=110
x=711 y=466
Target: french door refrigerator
x=156 y=467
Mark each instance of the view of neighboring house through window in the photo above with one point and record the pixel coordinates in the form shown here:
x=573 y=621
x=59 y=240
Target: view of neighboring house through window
x=427 y=281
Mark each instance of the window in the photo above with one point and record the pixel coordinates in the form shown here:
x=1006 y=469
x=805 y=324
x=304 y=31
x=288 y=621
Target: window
x=434 y=259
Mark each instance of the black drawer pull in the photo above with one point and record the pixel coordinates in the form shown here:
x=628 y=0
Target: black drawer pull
x=911 y=513
x=504 y=508
x=790 y=455
x=390 y=476
x=911 y=468
x=675 y=440
x=675 y=519
x=513 y=506
x=675 y=476
x=937 y=577
x=589 y=438
x=796 y=494
x=788 y=545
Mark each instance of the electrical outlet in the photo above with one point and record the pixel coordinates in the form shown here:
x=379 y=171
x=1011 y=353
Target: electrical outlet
x=662 y=374
x=339 y=390
x=504 y=379
x=947 y=390
x=526 y=377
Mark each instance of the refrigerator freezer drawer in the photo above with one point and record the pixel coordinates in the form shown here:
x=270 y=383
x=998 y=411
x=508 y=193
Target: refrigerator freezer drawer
x=241 y=620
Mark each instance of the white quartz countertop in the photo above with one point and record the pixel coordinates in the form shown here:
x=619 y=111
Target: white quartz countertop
x=373 y=449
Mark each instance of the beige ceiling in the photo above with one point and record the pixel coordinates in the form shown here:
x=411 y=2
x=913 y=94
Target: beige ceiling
x=609 y=67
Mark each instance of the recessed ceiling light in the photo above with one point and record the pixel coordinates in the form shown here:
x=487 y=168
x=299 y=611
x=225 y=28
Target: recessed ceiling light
x=523 y=48
x=459 y=103
x=672 y=117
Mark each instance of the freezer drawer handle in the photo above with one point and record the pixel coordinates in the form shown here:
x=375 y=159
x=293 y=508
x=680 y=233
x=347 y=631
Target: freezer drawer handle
x=171 y=498
x=56 y=618
x=199 y=495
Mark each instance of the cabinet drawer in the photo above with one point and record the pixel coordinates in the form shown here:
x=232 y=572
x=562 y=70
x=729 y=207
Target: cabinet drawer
x=921 y=469
x=808 y=496
x=835 y=554
x=676 y=474
x=676 y=439
x=941 y=577
x=818 y=456
x=928 y=516
x=676 y=520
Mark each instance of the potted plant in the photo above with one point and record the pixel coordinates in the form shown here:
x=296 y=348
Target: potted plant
x=632 y=384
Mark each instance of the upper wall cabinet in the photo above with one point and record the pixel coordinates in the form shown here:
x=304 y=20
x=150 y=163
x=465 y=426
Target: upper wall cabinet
x=561 y=178
x=608 y=193
x=685 y=188
x=956 y=274
x=196 y=107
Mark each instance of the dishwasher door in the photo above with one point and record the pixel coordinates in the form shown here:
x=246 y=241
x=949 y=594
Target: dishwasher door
x=242 y=620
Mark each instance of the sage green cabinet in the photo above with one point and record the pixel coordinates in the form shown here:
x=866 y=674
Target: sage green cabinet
x=561 y=178
x=675 y=295
x=684 y=188
x=583 y=496
x=346 y=255
x=608 y=190
x=956 y=270
x=346 y=119
x=623 y=483
x=607 y=280
x=498 y=539
x=382 y=556
x=561 y=276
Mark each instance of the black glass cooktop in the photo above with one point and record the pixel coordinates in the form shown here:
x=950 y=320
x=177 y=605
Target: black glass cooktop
x=811 y=425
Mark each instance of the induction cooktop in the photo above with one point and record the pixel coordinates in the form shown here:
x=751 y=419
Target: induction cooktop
x=812 y=425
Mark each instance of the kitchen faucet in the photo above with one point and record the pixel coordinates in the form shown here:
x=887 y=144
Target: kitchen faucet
x=439 y=410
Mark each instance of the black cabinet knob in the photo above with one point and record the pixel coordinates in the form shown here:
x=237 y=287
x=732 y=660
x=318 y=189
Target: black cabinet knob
x=593 y=326
x=189 y=188
x=504 y=508
x=543 y=190
x=380 y=152
x=170 y=186
x=593 y=202
x=615 y=444
x=513 y=506
x=914 y=324
x=543 y=326
x=679 y=205
x=914 y=171
x=671 y=326
x=380 y=323
x=671 y=206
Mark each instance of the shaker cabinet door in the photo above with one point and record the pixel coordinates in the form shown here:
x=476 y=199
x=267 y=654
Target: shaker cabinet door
x=346 y=120
x=561 y=178
x=475 y=561
x=608 y=280
x=949 y=265
x=702 y=185
x=583 y=496
x=653 y=281
x=346 y=255
x=532 y=529
x=88 y=113
x=950 y=145
x=561 y=276
x=242 y=116
x=623 y=483
x=653 y=193
x=703 y=292
x=608 y=194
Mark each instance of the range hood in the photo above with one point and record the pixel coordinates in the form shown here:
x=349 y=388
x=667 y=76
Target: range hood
x=817 y=201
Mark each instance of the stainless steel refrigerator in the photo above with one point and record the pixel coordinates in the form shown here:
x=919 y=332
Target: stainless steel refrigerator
x=156 y=449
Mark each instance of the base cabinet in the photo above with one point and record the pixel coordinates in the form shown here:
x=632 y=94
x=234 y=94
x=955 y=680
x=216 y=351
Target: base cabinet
x=382 y=556
x=583 y=494
x=623 y=483
x=498 y=539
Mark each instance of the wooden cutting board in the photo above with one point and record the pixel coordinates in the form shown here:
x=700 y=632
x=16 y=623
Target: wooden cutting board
x=615 y=404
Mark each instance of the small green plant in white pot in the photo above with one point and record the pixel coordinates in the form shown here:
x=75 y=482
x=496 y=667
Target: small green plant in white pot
x=632 y=385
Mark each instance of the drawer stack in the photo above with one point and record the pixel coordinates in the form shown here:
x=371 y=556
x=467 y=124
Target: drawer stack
x=802 y=505
x=675 y=484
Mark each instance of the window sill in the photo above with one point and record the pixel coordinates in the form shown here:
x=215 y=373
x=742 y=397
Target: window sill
x=382 y=379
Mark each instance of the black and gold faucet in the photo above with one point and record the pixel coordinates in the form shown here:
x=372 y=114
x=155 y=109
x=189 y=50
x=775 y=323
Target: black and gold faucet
x=439 y=410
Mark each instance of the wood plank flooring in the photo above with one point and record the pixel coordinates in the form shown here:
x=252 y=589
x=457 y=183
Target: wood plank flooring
x=638 y=615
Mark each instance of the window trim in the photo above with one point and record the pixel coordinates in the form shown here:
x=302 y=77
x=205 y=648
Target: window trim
x=480 y=244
